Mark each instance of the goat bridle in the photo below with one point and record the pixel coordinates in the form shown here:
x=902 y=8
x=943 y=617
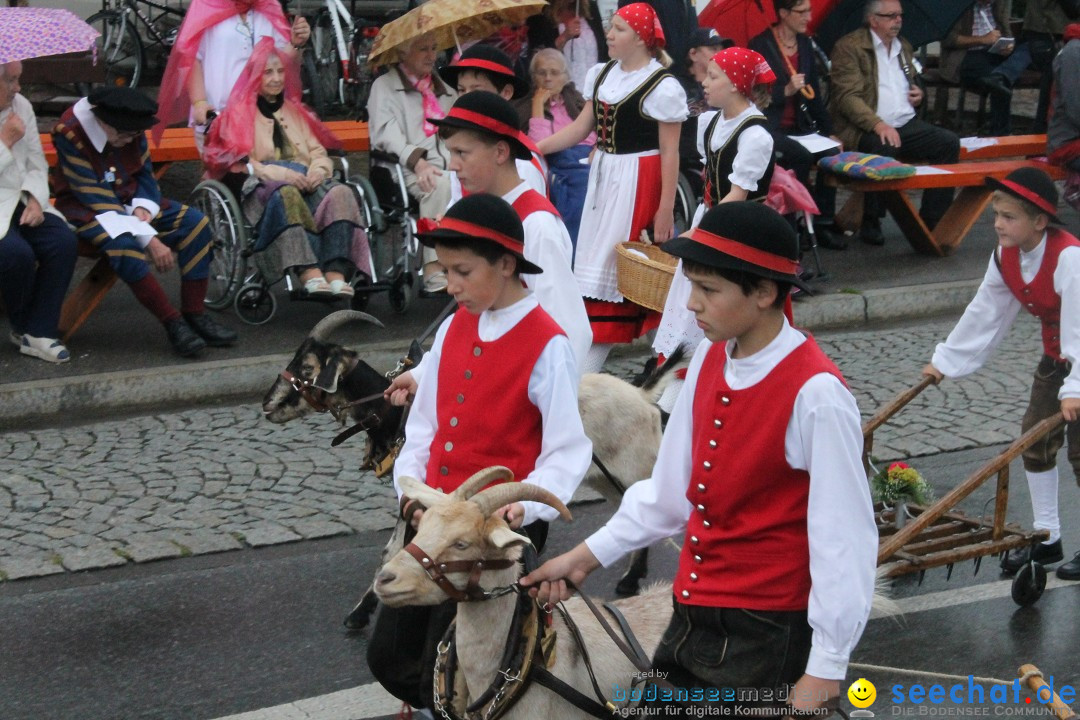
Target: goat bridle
x=316 y=397
x=436 y=572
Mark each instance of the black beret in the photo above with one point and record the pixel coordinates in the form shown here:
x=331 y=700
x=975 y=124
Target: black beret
x=124 y=108
x=490 y=58
x=487 y=112
x=743 y=236
x=1033 y=186
x=482 y=217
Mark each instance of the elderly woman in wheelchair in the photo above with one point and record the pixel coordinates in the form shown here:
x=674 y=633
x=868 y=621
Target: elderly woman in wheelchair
x=272 y=152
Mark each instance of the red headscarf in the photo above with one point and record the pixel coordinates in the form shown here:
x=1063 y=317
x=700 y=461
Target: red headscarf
x=642 y=19
x=173 y=100
x=1072 y=31
x=745 y=68
x=232 y=134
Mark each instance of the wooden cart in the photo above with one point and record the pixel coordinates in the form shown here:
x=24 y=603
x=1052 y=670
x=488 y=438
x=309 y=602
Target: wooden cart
x=938 y=535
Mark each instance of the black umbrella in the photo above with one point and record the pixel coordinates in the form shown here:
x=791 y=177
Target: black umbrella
x=925 y=21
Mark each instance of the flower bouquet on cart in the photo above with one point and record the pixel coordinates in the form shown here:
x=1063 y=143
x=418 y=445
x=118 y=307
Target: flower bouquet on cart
x=899 y=485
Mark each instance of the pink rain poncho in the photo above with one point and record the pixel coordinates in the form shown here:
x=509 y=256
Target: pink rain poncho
x=232 y=134
x=174 y=103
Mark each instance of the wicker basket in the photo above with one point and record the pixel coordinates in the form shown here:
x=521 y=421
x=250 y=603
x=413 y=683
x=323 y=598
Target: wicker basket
x=642 y=281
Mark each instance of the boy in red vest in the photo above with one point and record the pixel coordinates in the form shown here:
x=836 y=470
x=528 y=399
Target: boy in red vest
x=483 y=142
x=760 y=467
x=500 y=388
x=1037 y=268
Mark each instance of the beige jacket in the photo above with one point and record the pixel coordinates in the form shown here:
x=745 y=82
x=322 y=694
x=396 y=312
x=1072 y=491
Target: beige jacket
x=23 y=170
x=854 y=94
x=396 y=119
x=308 y=151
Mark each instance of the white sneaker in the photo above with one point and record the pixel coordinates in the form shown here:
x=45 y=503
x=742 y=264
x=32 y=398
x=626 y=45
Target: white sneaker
x=47 y=349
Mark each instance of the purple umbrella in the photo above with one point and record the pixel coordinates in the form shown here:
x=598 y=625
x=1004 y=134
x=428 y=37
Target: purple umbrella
x=34 y=32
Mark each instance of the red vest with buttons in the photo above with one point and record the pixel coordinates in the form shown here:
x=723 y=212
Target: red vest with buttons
x=485 y=416
x=1039 y=297
x=746 y=541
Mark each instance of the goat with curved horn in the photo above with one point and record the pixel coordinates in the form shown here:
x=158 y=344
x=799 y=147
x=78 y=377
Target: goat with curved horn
x=334 y=320
x=494 y=498
x=481 y=479
x=427 y=495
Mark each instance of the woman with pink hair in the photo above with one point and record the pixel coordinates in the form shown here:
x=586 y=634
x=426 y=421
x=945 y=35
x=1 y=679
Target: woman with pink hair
x=214 y=43
x=273 y=149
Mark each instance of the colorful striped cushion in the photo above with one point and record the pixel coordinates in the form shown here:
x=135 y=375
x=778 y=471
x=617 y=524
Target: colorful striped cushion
x=864 y=166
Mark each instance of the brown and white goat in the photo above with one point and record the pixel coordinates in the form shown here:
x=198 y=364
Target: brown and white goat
x=461 y=526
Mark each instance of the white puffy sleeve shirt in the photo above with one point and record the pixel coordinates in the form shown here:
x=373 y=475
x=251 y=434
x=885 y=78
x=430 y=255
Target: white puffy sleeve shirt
x=565 y=451
x=988 y=317
x=823 y=437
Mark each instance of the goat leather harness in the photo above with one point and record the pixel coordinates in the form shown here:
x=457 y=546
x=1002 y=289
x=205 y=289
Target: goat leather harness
x=529 y=649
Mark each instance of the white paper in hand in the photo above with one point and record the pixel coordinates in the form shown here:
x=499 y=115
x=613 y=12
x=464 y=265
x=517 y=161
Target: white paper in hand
x=116 y=225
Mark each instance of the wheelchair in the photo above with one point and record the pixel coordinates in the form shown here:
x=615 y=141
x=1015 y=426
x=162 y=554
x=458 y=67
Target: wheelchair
x=235 y=279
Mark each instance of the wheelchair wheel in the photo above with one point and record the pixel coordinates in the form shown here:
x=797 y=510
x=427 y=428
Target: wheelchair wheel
x=217 y=203
x=401 y=292
x=685 y=205
x=255 y=304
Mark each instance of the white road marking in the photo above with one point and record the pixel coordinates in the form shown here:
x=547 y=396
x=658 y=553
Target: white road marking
x=371 y=700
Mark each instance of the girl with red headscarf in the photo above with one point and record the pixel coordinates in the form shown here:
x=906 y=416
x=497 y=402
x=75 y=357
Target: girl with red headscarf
x=215 y=41
x=636 y=108
x=306 y=221
x=737 y=150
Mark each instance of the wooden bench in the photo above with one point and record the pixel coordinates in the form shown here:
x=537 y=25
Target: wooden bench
x=1008 y=146
x=177 y=145
x=969 y=203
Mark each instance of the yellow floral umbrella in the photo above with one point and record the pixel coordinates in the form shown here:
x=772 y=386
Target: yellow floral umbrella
x=452 y=22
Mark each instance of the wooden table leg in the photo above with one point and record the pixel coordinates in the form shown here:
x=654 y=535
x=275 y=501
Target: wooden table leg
x=907 y=217
x=850 y=215
x=961 y=215
x=84 y=299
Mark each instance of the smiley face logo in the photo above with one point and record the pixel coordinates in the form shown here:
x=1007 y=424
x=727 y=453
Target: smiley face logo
x=862 y=693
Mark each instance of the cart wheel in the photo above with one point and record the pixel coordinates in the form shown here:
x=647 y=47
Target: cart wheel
x=1029 y=584
x=255 y=304
x=400 y=293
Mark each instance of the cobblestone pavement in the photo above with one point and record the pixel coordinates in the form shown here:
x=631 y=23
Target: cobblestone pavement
x=211 y=480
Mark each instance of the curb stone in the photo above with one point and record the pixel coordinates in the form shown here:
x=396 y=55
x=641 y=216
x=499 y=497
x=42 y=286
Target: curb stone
x=88 y=397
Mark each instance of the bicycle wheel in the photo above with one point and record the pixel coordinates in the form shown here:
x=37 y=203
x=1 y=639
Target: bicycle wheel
x=327 y=59
x=313 y=89
x=217 y=203
x=119 y=47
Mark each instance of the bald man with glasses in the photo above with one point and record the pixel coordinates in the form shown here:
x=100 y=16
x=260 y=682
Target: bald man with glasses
x=874 y=100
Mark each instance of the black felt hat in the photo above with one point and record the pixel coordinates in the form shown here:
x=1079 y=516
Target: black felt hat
x=482 y=217
x=743 y=236
x=487 y=112
x=490 y=58
x=1031 y=185
x=124 y=108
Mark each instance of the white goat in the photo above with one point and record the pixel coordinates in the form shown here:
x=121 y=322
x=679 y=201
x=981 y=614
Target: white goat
x=460 y=526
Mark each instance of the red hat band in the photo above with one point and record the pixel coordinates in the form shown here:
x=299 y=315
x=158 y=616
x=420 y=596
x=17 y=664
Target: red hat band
x=489 y=124
x=478 y=64
x=1032 y=197
x=754 y=256
x=472 y=229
